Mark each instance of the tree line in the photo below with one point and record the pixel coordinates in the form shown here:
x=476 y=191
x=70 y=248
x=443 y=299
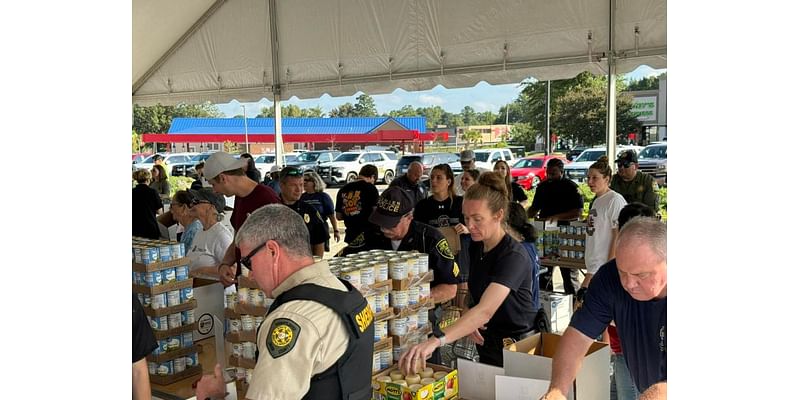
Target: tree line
x=577 y=111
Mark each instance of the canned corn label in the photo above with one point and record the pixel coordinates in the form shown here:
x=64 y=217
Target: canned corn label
x=230 y=300
x=252 y=297
x=174 y=321
x=381 y=271
x=159 y=323
x=372 y=304
x=262 y=298
x=353 y=276
x=187 y=317
x=386 y=358
x=149 y=255
x=398 y=326
x=376 y=362
x=422 y=318
x=413 y=295
x=191 y=360
x=381 y=330
x=173 y=298
x=424 y=290
x=151 y=368
x=167 y=275
x=137 y=254
x=411 y=322
x=174 y=343
x=247 y=323
x=186 y=294
x=187 y=339
x=158 y=301
x=164 y=253
x=398 y=268
x=235 y=325
x=367 y=275
x=176 y=251
x=399 y=298
x=179 y=364
x=163 y=345
x=182 y=273
x=237 y=349
x=164 y=368
x=249 y=350
x=152 y=279
x=422 y=263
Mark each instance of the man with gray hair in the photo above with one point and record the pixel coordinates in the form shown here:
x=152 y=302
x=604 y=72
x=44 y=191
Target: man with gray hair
x=630 y=290
x=467 y=158
x=410 y=182
x=316 y=340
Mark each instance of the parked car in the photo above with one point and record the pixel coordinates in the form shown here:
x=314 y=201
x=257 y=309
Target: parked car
x=309 y=160
x=653 y=161
x=264 y=162
x=169 y=159
x=428 y=160
x=485 y=158
x=528 y=172
x=579 y=167
x=345 y=167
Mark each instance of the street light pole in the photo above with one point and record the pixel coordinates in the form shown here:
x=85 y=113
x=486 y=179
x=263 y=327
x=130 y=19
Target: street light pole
x=246 y=142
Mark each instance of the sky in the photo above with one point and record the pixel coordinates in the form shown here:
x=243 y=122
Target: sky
x=482 y=97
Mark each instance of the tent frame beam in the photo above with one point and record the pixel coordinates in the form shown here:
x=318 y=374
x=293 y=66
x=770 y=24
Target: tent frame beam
x=177 y=45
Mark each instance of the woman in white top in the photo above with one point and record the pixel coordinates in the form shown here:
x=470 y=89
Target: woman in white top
x=209 y=244
x=602 y=222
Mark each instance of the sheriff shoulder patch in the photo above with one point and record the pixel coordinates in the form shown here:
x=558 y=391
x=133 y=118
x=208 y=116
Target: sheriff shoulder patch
x=283 y=334
x=444 y=249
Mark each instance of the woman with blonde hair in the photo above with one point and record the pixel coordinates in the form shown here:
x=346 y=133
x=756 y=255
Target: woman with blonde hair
x=515 y=191
x=314 y=194
x=499 y=280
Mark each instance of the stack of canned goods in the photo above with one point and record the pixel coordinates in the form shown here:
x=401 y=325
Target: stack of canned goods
x=245 y=323
x=361 y=269
x=169 y=299
x=178 y=364
x=149 y=251
x=579 y=230
x=244 y=350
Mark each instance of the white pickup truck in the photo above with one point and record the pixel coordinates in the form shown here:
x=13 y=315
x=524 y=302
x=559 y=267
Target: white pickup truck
x=345 y=167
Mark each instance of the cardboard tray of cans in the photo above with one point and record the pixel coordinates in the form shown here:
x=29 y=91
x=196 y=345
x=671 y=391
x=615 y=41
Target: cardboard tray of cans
x=384 y=315
x=564 y=262
x=383 y=344
x=249 y=309
x=158 y=289
x=170 y=355
x=414 y=308
x=169 y=379
x=157 y=266
x=416 y=336
x=189 y=305
x=242 y=336
x=403 y=284
x=241 y=362
x=247 y=282
x=175 y=331
x=445 y=387
x=241 y=388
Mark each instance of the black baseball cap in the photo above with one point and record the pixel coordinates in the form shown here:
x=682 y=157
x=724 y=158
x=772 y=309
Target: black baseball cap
x=629 y=156
x=393 y=204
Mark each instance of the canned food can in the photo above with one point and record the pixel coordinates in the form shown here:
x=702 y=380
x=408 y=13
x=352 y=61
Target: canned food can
x=151 y=368
x=187 y=317
x=398 y=268
x=235 y=325
x=413 y=295
x=167 y=276
x=381 y=330
x=187 y=339
x=179 y=364
x=159 y=323
x=243 y=295
x=352 y=275
x=411 y=322
x=376 y=362
x=372 y=304
x=262 y=298
x=174 y=320
x=386 y=303
x=422 y=263
x=564 y=253
x=381 y=270
x=367 y=274
x=248 y=375
x=135 y=278
x=241 y=373
x=152 y=279
x=249 y=350
x=158 y=301
x=396 y=352
x=413 y=267
x=572 y=254
x=562 y=229
x=399 y=298
x=173 y=298
x=236 y=349
x=137 y=254
x=230 y=300
x=564 y=242
x=386 y=358
x=257 y=321
x=186 y=294
x=141 y=299
x=424 y=291
x=164 y=253
x=164 y=368
x=247 y=323
x=252 y=297
x=176 y=251
x=422 y=318
x=398 y=326
x=149 y=255
x=570 y=242
x=579 y=254
x=191 y=360
x=174 y=343
x=181 y=273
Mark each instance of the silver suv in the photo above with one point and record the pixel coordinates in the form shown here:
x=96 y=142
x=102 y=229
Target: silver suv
x=653 y=161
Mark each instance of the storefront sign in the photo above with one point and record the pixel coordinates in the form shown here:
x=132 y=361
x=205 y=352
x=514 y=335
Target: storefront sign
x=644 y=108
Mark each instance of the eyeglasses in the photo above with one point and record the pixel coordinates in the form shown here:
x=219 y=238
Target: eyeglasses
x=246 y=260
x=624 y=164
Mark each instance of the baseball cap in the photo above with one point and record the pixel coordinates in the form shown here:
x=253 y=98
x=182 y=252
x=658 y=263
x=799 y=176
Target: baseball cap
x=393 y=204
x=629 y=156
x=274 y=168
x=290 y=171
x=220 y=162
x=467 y=155
x=207 y=195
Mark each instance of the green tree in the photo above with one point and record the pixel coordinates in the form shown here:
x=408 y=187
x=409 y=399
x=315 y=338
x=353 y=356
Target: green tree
x=581 y=116
x=487 y=118
x=472 y=137
x=469 y=116
x=405 y=111
x=515 y=111
x=230 y=147
x=452 y=120
x=523 y=134
x=365 y=106
x=158 y=118
x=646 y=83
x=344 y=110
x=136 y=142
x=433 y=116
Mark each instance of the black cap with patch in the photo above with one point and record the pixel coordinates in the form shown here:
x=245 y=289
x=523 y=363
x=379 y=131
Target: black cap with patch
x=393 y=204
x=629 y=156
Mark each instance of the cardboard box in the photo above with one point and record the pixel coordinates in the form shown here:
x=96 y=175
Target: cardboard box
x=532 y=358
x=558 y=308
x=482 y=381
x=444 y=388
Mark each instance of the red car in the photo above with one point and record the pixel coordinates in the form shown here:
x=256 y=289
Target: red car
x=529 y=171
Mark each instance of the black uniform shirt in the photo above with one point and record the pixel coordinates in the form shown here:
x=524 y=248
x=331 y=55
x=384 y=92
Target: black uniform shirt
x=555 y=197
x=439 y=213
x=146 y=202
x=518 y=193
x=317 y=228
x=356 y=201
x=507 y=264
x=427 y=239
x=415 y=190
x=144 y=342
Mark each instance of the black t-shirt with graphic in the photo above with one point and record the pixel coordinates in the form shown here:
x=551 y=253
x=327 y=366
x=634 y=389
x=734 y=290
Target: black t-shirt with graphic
x=356 y=200
x=317 y=227
x=439 y=213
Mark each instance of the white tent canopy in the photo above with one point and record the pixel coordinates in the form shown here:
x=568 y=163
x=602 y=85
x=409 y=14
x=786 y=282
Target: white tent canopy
x=205 y=50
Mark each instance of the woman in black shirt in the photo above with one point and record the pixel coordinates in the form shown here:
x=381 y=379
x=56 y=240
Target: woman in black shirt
x=515 y=191
x=500 y=277
x=443 y=207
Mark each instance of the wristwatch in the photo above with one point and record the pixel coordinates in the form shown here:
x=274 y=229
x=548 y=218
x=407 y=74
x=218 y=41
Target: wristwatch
x=439 y=334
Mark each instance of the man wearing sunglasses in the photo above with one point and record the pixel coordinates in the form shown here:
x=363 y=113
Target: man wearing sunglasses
x=632 y=184
x=291 y=180
x=467 y=158
x=316 y=341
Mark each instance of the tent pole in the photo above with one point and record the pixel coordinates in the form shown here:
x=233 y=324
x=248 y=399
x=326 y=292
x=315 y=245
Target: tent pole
x=278 y=131
x=611 y=116
x=547 y=144
x=276 y=82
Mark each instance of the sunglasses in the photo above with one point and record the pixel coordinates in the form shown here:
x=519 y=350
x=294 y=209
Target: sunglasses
x=624 y=164
x=292 y=172
x=246 y=260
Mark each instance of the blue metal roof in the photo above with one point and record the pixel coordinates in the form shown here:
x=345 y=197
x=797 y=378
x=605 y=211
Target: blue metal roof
x=266 y=126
